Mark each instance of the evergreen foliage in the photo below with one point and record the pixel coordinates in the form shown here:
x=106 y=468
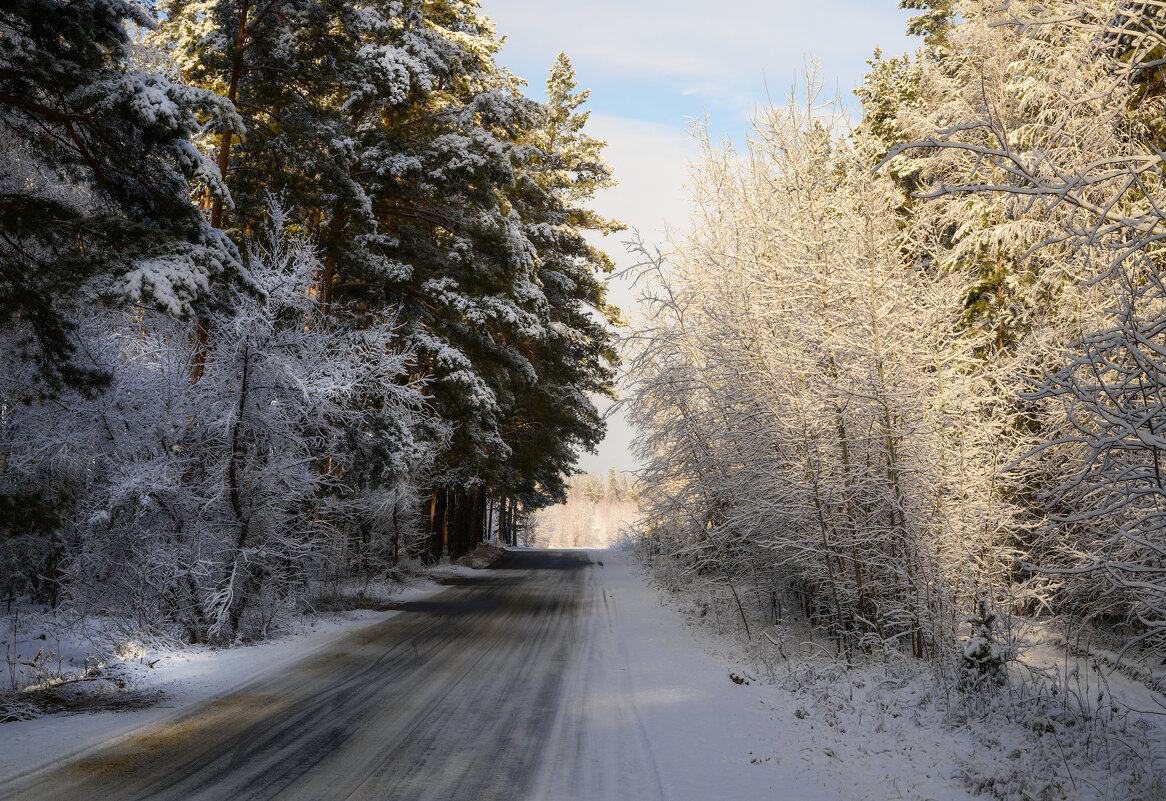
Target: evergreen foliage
x=554 y=417
x=933 y=24
x=95 y=178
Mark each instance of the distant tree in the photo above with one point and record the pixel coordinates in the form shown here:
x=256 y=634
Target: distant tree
x=614 y=489
x=592 y=488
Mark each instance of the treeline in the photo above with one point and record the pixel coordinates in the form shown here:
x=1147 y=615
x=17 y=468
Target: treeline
x=908 y=373
x=615 y=487
x=287 y=289
x=599 y=511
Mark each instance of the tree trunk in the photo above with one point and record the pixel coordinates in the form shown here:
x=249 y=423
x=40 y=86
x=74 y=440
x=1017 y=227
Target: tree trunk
x=202 y=326
x=456 y=529
x=489 y=514
x=396 y=538
x=243 y=588
x=437 y=524
x=479 y=531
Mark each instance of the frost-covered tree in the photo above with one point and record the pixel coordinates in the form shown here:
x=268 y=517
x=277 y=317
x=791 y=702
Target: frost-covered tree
x=411 y=157
x=1077 y=151
x=983 y=73
x=1048 y=134
x=1110 y=389
x=98 y=163
x=205 y=508
x=807 y=404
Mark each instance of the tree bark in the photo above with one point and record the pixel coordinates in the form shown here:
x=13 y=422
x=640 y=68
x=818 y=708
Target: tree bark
x=437 y=524
x=239 y=598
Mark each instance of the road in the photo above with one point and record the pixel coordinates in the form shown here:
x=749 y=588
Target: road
x=482 y=691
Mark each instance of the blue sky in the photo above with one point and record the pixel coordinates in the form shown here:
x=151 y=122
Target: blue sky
x=653 y=66
x=663 y=61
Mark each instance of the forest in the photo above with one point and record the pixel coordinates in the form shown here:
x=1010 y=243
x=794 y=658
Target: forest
x=292 y=290
x=304 y=295
x=902 y=376
x=289 y=289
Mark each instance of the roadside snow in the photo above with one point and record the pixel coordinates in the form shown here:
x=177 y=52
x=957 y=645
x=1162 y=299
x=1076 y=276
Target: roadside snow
x=711 y=738
x=1064 y=728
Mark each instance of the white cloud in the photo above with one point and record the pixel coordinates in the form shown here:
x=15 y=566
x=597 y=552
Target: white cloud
x=721 y=45
x=650 y=161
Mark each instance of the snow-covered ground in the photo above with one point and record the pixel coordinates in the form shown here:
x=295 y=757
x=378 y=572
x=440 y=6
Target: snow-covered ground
x=1066 y=727
x=709 y=737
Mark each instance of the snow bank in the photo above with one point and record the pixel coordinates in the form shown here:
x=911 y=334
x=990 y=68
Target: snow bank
x=888 y=728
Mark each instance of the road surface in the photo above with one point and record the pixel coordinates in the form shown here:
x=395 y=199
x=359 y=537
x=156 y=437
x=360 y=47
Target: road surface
x=478 y=692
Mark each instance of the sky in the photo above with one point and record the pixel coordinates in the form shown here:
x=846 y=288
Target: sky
x=655 y=66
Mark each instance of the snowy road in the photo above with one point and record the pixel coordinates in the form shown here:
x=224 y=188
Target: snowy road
x=548 y=676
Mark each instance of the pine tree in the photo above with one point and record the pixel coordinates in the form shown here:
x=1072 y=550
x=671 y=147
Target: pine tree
x=933 y=24
x=438 y=196
x=555 y=416
x=282 y=65
x=437 y=150
x=96 y=178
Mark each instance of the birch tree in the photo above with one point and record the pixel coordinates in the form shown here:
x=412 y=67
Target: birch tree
x=1080 y=153
x=801 y=384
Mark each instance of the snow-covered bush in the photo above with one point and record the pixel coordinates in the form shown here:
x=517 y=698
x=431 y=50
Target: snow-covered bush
x=984 y=654
x=208 y=505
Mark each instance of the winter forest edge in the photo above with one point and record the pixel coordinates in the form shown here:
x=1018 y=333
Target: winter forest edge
x=297 y=294
x=291 y=289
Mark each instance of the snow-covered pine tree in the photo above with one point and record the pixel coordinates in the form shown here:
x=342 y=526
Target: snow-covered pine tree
x=473 y=233
x=554 y=417
x=97 y=170
x=376 y=123
x=284 y=65
x=435 y=133
x=933 y=23
x=401 y=144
